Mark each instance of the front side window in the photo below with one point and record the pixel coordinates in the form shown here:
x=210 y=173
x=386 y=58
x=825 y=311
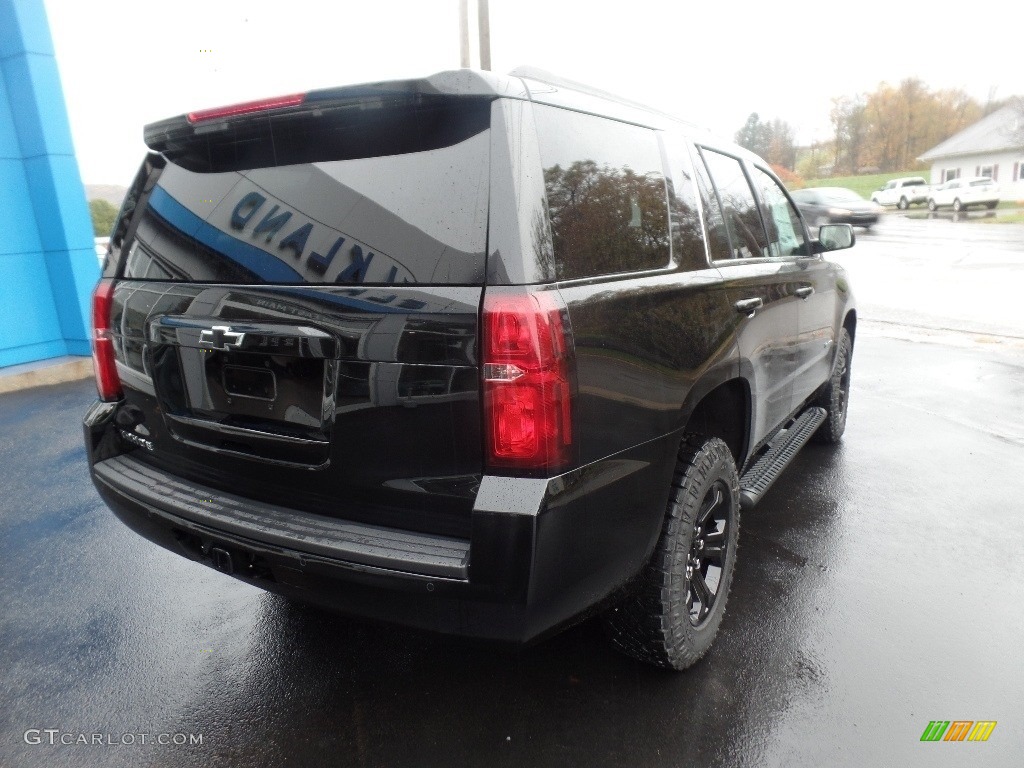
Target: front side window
x=785 y=230
x=606 y=194
x=739 y=207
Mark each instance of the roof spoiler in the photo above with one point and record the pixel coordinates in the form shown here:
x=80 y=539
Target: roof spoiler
x=164 y=134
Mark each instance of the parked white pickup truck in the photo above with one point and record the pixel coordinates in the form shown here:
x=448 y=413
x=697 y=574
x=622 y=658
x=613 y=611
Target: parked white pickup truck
x=902 y=193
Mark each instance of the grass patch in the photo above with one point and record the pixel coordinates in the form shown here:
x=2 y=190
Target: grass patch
x=1009 y=218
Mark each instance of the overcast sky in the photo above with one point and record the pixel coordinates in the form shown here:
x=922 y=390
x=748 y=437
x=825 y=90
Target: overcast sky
x=124 y=63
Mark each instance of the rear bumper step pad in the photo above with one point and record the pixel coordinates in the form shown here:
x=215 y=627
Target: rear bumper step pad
x=758 y=479
x=406 y=551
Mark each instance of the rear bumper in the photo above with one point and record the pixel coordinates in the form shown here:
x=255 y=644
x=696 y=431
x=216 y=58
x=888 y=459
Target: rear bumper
x=983 y=200
x=543 y=553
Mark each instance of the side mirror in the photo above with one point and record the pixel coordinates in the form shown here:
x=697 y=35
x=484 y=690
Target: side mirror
x=834 y=237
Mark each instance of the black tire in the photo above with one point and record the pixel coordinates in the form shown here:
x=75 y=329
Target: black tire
x=835 y=396
x=991 y=206
x=903 y=204
x=957 y=205
x=672 y=617
x=932 y=206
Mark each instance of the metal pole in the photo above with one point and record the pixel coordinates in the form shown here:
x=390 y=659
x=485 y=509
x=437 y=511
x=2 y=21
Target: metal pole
x=485 y=34
x=464 y=34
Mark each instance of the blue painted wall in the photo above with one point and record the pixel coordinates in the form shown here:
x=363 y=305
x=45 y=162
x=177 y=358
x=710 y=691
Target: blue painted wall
x=48 y=263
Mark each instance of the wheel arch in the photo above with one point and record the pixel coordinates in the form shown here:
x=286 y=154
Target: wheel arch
x=850 y=324
x=722 y=410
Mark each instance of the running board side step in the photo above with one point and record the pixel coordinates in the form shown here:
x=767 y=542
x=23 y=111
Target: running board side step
x=759 y=478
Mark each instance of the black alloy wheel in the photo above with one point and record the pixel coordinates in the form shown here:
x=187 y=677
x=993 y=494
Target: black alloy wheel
x=708 y=553
x=835 y=396
x=672 y=614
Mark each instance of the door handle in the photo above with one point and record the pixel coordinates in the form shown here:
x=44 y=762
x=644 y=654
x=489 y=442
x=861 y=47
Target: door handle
x=804 y=292
x=749 y=306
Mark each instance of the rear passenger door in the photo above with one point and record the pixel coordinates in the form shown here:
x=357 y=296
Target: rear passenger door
x=761 y=285
x=626 y=254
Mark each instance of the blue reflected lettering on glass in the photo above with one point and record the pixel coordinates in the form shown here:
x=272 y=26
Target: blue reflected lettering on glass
x=356 y=271
x=249 y=204
x=273 y=222
x=297 y=240
x=320 y=263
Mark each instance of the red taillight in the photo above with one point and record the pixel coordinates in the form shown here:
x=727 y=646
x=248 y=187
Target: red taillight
x=108 y=383
x=527 y=385
x=261 y=105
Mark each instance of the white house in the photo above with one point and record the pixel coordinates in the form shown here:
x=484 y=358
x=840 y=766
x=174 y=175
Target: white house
x=993 y=147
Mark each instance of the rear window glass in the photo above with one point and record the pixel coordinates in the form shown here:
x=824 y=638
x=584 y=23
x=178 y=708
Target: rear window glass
x=606 y=191
x=411 y=211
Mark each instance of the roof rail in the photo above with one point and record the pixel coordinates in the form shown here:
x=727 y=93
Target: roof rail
x=543 y=76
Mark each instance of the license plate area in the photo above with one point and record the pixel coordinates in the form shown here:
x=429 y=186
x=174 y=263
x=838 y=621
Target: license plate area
x=249 y=388
x=249 y=382
x=276 y=408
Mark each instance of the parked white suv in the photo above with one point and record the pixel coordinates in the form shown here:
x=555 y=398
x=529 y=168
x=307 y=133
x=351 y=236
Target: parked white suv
x=961 y=193
x=902 y=192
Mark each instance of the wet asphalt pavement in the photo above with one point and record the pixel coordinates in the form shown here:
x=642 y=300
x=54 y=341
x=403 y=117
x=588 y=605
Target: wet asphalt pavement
x=880 y=585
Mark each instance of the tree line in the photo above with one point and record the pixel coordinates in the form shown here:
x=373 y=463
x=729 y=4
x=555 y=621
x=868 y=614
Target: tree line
x=878 y=132
x=103 y=215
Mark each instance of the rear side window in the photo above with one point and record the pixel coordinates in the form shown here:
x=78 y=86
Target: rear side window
x=714 y=217
x=375 y=196
x=606 y=194
x=743 y=220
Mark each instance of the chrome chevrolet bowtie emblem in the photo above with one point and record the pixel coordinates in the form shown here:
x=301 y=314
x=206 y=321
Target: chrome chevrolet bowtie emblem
x=221 y=337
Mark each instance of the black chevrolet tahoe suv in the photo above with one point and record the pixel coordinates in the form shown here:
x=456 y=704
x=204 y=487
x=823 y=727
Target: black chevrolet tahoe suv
x=481 y=354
